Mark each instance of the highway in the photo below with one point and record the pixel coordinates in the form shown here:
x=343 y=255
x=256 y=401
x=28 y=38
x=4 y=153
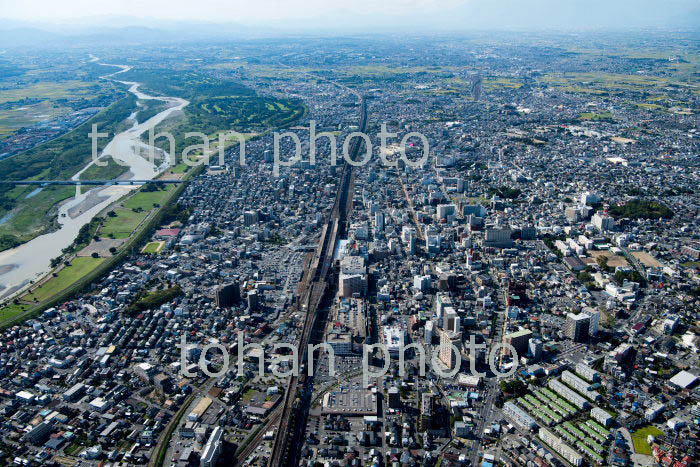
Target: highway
x=290 y=433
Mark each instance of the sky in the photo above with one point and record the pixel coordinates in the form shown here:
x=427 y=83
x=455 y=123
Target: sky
x=418 y=14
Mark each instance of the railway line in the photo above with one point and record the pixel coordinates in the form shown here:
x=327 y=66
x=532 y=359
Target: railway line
x=289 y=439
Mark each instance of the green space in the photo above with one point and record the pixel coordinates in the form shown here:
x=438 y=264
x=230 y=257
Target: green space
x=603 y=116
x=216 y=105
x=12 y=313
x=109 y=172
x=641 y=209
x=639 y=438
x=152 y=247
x=150 y=300
x=691 y=264
x=58 y=159
x=149 y=108
x=78 y=268
x=31 y=215
x=120 y=222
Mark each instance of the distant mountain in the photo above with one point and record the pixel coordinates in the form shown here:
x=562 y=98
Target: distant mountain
x=16 y=34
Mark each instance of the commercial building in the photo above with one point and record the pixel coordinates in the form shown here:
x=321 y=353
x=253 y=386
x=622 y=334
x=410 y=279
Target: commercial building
x=353 y=403
x=340 y=342
x=499 y=238
x=199 y=409
x=393 y=337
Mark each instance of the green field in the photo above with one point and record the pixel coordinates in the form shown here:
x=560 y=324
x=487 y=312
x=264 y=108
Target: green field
x=152 y=247
x=58 y=159
x=639 y=438
x=78 y=268
x=109 y=172
x=10 y=311
x=132 y=212
x=596 y=116
x=123 y=224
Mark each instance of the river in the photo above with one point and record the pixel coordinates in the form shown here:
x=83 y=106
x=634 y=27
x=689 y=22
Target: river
x=31 y=261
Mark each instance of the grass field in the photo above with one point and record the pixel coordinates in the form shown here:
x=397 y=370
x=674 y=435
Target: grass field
x=10 y=311
x=639 y=438
x=123 y=224
x=153 y=247
x=29 y=218
x=79 y=267
x=691 y=264
x=133 y=211
x=109 y=172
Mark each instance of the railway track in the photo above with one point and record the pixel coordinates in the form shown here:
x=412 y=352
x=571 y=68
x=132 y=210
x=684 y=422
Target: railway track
x=289 y=437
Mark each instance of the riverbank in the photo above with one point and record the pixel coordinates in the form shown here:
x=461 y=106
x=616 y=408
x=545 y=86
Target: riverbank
x=55 y=289
x=31 y=261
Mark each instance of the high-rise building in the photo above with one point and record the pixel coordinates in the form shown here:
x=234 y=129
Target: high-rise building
x=576 y=327
x=426 y=409
x=519 y=340
x=228 y=295
x=498 y=238
x=250 y=218
x=394 y=398
x=594 y=322
x=253 y=300
x=603 y=222
x=448 y=340
x=535 y=349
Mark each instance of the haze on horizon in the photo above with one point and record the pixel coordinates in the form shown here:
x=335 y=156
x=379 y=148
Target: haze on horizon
x=361 y=15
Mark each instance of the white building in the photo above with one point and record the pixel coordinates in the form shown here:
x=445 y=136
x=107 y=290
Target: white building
x=393 y=338
x=654 y=411
x=212 y=450
x=560 y=447
x=594 y=323
x=603 y=222
x=587 y=372
x=601 y=416
x=519 y=416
